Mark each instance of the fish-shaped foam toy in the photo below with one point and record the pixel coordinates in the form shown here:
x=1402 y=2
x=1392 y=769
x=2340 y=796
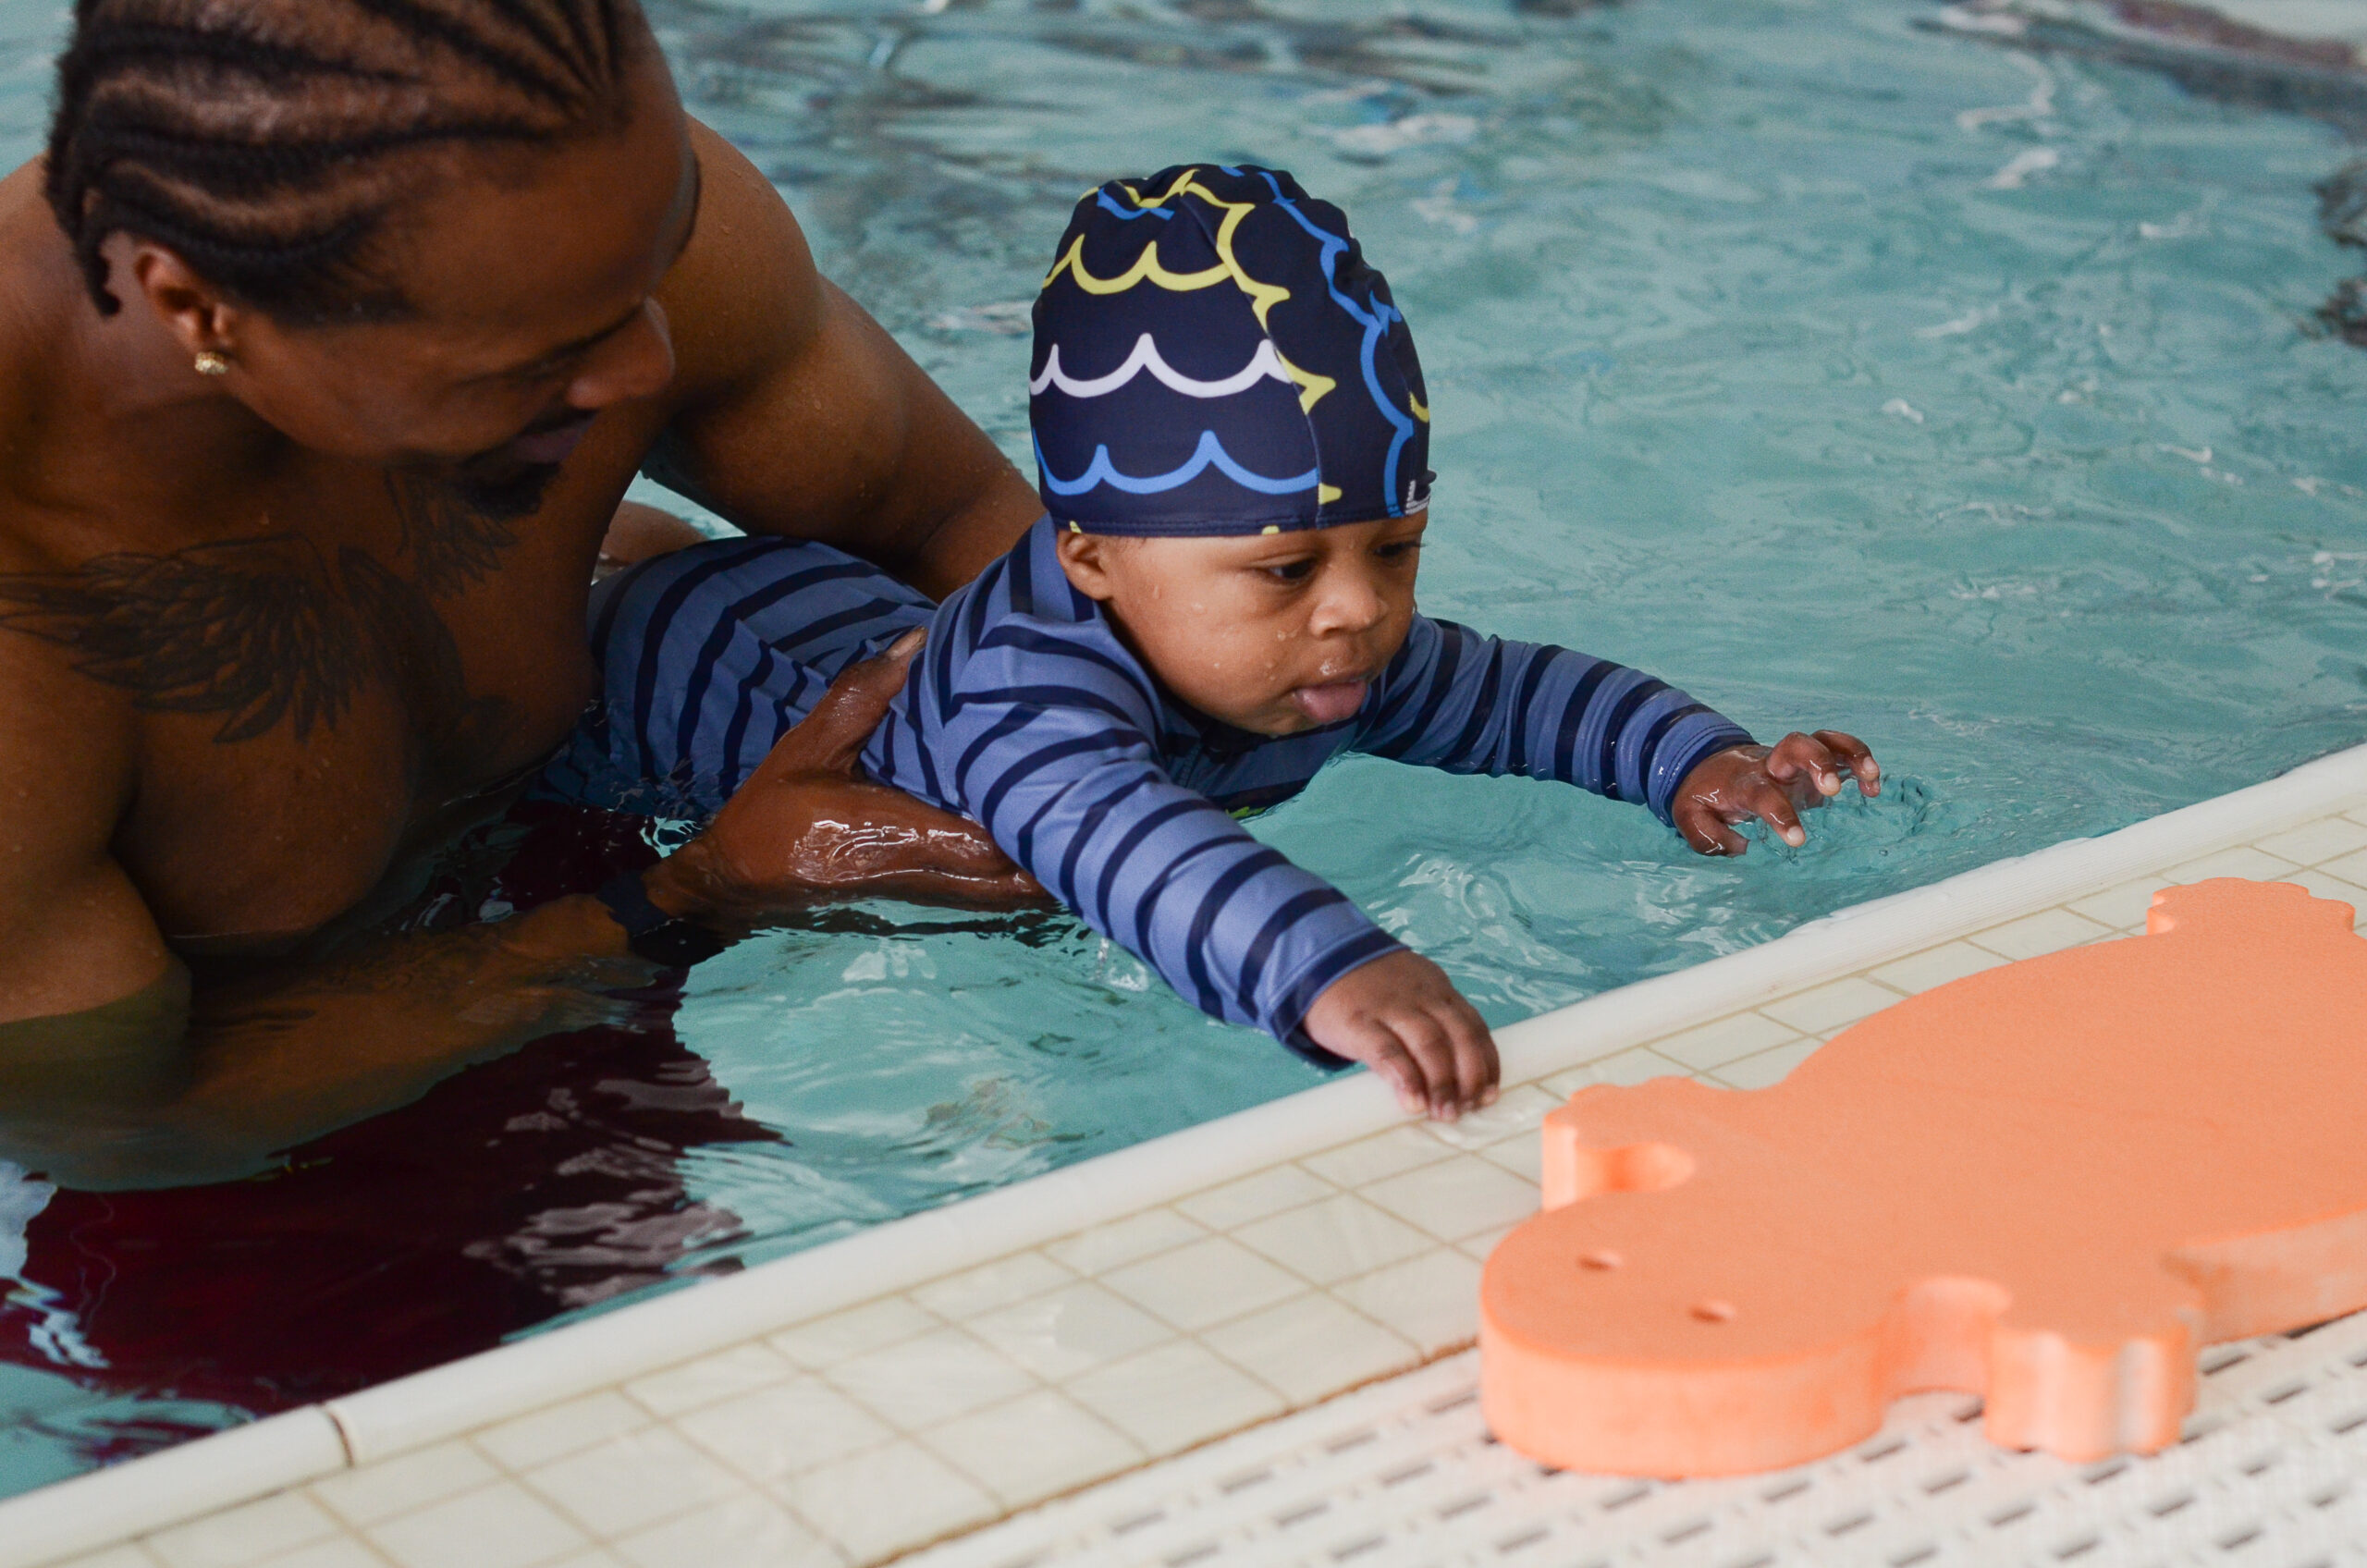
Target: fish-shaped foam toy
x=2049 y=1184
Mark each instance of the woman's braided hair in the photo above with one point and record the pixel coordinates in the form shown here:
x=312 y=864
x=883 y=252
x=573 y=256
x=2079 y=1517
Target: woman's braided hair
x=265 y=141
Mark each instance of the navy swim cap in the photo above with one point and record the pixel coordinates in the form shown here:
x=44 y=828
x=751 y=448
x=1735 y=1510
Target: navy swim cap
x=1213 y=356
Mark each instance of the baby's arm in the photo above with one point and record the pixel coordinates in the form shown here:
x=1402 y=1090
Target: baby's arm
x=1060 y=768
x=1456 y=700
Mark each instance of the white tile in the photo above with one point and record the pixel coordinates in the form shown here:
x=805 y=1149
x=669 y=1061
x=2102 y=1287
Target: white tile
x=1518 y=1109
x=238 y=1535
x=2351 y=868
x=1623 y=1070
x=2034 y=936
x=1524 y=1156
x=709 y=1378
x=502 y=1525
x=746 y=1531
x=631 y=1481
x=558 y=1429
x=1466 y=1195
x=1432 y=1299
x=1767 y=1068
x=598 y=1557
x=128 y=1555
x=2313 y=842
x=2123 y=908
x=1936 y=966
x=405 y=1482
x=991 y=1285
x=1034 y=1447
x=1123 y=1241
x=1331 y=1240
x=1384 y=1153
x=921 y=1382
x=1478 y=1247
x=1205 y=1283
x=339 y=1551
x=2323 y=885
x=856 y=1331
x=776 y=1431
x=887 y=1501
x=2241 y=861
x=1829 y=1007
x=1255 y=1196
x=1058 y=1335
x=1311 y=1348
x=1713 y=1045
x=1177 y=1395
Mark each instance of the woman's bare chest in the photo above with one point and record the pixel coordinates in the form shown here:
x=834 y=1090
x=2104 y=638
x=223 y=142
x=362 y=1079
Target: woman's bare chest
x=311 y=704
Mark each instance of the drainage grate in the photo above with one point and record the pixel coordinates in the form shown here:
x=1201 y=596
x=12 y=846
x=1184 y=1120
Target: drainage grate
x=2271 y=1471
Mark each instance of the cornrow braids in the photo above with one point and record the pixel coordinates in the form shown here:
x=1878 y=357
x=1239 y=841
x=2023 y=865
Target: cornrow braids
x=267 y=141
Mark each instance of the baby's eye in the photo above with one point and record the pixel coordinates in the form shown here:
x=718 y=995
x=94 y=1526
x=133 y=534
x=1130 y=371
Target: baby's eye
x=1290 y=572
x=1401 y=550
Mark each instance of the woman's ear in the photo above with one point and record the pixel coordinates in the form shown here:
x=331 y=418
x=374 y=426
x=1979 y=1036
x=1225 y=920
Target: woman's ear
x=193 y=310
x=1086 y=558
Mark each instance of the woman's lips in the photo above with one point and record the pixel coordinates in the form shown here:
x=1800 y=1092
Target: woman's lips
x=547 y=447
x=1332 y=702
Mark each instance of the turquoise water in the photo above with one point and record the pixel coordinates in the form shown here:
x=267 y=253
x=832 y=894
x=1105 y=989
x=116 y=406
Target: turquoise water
x=1844 y=374
x=1841 y=372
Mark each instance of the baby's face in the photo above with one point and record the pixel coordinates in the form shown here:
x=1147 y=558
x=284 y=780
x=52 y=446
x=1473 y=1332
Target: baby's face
x=1272 y=633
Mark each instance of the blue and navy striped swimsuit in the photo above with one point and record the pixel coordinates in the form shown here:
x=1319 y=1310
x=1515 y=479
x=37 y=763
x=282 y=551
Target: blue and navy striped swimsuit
x=1026 y=713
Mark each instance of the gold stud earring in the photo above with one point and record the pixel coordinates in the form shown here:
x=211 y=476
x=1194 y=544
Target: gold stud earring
x=212 y=361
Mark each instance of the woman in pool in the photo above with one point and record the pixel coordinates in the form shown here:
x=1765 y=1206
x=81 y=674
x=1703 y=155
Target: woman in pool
x=312 y=437
x=335 y=330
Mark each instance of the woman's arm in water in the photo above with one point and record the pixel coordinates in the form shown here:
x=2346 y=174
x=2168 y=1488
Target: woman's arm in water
x=113 y=1074
x=796 y=414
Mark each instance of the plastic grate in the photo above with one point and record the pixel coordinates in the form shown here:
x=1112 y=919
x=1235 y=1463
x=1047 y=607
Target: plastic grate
x=2270 y=1473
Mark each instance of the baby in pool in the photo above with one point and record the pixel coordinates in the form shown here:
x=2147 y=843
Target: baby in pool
x=1231 y=434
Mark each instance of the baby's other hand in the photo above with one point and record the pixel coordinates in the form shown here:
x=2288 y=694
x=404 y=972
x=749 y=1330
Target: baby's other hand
x=1773 y=783
x=1402 y=1018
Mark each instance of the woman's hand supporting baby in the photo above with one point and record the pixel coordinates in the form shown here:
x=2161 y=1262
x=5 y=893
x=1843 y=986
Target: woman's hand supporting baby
x=1401 y=1017
x=1772 y=783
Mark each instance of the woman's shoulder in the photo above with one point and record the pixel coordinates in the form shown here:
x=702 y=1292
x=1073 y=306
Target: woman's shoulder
x=42 y=293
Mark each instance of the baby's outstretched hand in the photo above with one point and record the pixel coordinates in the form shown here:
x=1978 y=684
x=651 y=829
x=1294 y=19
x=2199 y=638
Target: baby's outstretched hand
x=1773 y=783
x=1402 y=1018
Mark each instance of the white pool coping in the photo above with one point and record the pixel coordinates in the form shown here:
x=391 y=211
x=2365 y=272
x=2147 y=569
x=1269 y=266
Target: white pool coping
x=285 y=1451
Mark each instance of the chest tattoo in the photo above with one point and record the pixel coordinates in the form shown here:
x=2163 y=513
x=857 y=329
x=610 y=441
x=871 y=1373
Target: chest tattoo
x=451 y=544
x=263 y=632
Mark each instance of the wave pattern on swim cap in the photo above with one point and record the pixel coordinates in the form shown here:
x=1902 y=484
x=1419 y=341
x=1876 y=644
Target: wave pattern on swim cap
x=1214 y=356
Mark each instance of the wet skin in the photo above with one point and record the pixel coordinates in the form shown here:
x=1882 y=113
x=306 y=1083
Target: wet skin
x=1280 y=633
x=270 y=638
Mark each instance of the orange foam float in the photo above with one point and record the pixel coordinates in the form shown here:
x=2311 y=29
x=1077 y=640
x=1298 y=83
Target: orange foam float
x=2049 y=1184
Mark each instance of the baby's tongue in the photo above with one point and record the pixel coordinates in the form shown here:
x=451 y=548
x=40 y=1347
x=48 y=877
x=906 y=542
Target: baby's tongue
x=1331 y=703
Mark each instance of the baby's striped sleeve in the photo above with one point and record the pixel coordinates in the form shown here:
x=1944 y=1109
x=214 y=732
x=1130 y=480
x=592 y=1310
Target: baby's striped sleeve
x=1455 y=700
x=1051 y=751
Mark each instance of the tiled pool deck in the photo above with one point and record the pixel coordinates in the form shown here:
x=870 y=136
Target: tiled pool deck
x=931 y=1376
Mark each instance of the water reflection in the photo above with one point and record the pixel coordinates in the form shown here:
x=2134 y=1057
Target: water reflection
x=541 y=1184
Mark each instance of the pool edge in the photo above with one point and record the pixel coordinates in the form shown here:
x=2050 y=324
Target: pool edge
x=200 y=1478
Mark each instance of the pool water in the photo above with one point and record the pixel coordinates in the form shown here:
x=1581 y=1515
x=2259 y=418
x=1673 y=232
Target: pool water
x=1844 y=373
